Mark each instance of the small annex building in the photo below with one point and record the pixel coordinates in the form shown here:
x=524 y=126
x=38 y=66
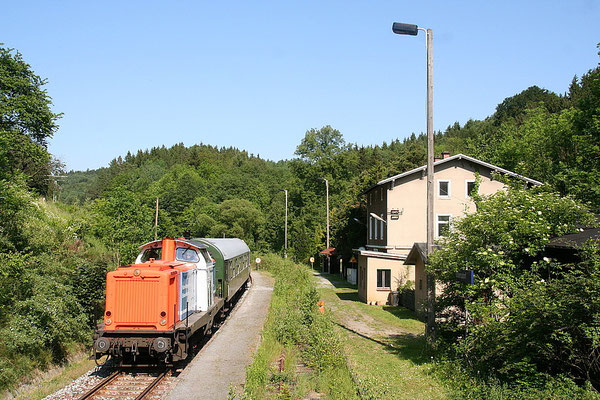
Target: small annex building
x=396 y=218
x=417 y=257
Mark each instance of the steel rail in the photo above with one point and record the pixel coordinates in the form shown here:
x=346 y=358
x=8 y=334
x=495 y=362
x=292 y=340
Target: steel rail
x=100 y=385
x=154 y=383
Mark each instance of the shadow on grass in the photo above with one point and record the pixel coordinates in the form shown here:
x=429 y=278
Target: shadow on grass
x=337 y=281
x=402 y=312
x=406 y=346
x=349 y=296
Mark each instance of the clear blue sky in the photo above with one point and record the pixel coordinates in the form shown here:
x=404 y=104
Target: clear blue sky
x=256 y=75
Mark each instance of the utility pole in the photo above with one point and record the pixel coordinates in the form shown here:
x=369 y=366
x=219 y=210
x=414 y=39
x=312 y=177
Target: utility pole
x=413 y=30
x=286 y=223
x=327 y=200
x=430 y=278
x=156 y=220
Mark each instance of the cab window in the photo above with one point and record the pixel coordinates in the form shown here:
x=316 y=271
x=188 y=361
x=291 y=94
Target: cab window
x=186 y=254
x=151 y=253
x=206 y=256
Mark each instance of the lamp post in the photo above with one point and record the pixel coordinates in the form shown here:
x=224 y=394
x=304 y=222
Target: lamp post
x=286 y=221
x=327 y=203
x=413 y=30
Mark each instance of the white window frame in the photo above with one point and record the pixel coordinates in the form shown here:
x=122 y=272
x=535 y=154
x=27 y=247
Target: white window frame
x=437 y=224
x=383 y=287
x=467 y=181
x=449 y=188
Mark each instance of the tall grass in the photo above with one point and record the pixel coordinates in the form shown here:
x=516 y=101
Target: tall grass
x=297 y=332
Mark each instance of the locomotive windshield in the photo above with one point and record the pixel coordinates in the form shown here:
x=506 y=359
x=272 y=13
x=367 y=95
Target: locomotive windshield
x=186 y=254
x=151 y=253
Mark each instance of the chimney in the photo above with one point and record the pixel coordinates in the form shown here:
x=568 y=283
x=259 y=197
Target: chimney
x=445 y=154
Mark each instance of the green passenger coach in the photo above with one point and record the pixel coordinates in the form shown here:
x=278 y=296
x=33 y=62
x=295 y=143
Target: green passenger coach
x=232 y=262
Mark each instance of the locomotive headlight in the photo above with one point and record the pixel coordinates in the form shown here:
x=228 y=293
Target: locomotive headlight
x=102 y=345
x=161 y=344
x=163 y=322
x=108 y=321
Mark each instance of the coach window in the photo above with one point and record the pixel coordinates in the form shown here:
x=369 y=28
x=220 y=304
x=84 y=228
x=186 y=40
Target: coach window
x=186 y=254
x=384 y=278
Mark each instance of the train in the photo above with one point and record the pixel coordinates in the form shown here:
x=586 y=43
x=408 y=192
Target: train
x=174 y=290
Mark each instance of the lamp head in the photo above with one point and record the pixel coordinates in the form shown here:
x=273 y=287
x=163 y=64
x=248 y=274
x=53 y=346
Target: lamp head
x=405 y=29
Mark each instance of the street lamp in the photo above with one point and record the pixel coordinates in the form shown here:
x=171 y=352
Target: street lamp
x=286 y=221
x=327 y=200
x=413 y=30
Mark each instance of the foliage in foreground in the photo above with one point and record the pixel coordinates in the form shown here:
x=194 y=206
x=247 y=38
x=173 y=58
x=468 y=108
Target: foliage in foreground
x=527 y=322
x=295 y=325
x=51 y=282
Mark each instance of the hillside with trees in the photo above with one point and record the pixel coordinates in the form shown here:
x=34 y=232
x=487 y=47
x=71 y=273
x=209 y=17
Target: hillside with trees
x=54 y=255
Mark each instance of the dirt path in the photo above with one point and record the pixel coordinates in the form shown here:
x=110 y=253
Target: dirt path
x=222 y=364
x=351 y=317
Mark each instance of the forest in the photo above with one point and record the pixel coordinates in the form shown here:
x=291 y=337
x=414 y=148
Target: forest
x=58 y=237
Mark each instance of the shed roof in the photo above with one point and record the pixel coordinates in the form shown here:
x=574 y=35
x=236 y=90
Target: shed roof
x=574 y=240
x=419 y=250
x=380 y=254
x=328 y=252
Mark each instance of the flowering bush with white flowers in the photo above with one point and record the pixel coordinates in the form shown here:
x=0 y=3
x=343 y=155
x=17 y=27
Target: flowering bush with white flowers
x=526 y=319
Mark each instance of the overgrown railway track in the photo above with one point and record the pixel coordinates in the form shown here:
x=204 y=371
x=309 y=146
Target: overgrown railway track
x=128 y=385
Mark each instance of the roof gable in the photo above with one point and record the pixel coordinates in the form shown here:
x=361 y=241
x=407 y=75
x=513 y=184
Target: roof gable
x=453 y=158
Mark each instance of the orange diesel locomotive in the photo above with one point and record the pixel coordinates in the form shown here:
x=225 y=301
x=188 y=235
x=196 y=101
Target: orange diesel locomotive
x=174 y=289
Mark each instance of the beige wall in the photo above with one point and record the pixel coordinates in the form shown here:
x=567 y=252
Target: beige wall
x=367 y=268
x=421 y=287
x=409 y=195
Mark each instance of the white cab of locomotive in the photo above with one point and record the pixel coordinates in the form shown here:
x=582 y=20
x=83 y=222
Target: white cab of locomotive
x=205 y=283
x=188 y=300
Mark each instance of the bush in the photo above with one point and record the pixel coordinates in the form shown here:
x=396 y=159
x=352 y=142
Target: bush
x=529 y=319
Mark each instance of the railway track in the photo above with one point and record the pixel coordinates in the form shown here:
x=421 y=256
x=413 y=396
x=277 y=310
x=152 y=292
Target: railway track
x=128 y=385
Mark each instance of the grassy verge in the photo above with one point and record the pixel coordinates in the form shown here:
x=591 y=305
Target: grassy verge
x=301 y=354
x=384 y=345
x=48 y=382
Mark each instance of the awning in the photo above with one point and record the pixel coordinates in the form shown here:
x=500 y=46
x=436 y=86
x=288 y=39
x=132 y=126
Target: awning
x=328 y=252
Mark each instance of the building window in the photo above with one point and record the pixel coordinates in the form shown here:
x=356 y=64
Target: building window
x=444 y=189
x=384 y=277
x=382 y=229
x=376 y=228
x=443 y=225
x=370 y=227
x=381 y=194
x=469 y=187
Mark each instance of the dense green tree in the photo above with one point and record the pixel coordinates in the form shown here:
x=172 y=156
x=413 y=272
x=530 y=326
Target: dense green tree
x=514 y=107
x=26 y=121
